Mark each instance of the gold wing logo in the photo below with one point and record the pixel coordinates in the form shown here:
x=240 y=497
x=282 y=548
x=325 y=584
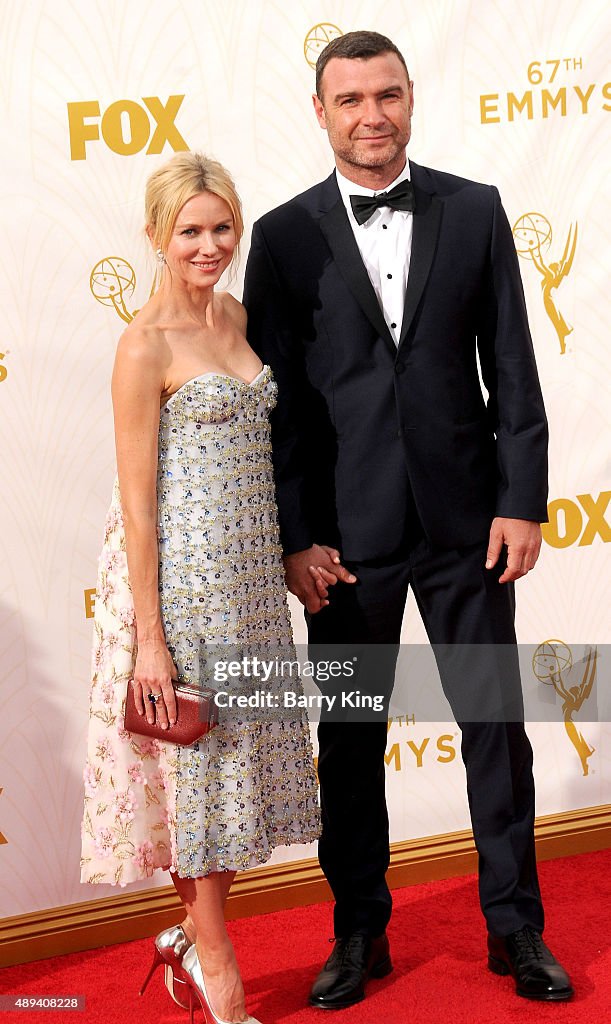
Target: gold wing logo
x=532 y=234
x=553 y=665
x=316 y=40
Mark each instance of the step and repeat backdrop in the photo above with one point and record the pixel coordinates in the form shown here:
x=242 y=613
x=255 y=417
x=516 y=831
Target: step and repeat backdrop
x=93 y=97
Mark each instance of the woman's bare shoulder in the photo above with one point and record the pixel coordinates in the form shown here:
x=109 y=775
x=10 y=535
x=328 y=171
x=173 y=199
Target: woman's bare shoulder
x=234 y=310
x=142 y=353
x=144 y=339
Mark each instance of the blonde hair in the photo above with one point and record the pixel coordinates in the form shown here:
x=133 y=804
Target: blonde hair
x=172 y=185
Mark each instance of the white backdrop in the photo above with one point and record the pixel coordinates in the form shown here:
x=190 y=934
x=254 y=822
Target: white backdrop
x=516 y=94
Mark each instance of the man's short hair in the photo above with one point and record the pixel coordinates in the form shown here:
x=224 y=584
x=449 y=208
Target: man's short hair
x=355 y=46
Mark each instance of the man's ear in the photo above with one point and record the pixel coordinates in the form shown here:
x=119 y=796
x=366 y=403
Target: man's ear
x=319 y=110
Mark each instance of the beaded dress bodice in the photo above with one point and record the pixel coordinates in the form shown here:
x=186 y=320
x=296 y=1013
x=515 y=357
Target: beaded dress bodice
x=218 y=530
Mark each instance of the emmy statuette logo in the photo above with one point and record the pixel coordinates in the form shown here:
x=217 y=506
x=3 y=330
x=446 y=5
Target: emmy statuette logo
x=316 y=40
x=553 y=665
x=112 y=283
x=532 y=234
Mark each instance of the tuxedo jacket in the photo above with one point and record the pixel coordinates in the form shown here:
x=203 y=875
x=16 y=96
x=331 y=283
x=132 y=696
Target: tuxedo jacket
x=364 y=428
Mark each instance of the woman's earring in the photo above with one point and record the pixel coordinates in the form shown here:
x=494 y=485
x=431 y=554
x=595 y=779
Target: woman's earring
x=160 y=256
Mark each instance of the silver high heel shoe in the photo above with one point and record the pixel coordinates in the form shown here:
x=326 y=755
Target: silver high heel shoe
x=197 y=987
x=170 y=947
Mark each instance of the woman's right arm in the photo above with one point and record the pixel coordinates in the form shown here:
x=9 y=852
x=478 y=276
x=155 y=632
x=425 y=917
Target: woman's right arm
x=137 y=383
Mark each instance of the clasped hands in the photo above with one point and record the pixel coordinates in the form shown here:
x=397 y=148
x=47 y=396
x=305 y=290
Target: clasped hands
x=310 y=573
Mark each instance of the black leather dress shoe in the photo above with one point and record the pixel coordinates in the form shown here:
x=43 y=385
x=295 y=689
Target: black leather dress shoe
x=354 y=959
x=537 y=973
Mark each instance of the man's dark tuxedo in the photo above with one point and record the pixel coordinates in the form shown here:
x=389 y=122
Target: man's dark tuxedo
x=395 y=456
x=361 y=424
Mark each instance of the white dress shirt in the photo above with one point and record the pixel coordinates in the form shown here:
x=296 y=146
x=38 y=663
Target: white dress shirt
x=385 y=245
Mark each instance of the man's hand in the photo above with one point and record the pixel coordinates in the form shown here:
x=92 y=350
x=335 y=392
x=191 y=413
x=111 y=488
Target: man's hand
x=310 y=573
x=522 y=539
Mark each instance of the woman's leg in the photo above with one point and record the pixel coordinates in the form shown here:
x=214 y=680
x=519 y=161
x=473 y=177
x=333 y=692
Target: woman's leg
x=188 y=924
x=204 y=900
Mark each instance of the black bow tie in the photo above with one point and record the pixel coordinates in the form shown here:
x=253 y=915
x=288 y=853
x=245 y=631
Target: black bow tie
x=401 y=197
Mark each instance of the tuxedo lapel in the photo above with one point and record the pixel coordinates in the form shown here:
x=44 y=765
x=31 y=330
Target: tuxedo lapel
x=427 y=220
x=335 y=226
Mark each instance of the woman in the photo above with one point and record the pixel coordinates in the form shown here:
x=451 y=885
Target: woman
x=191 y=556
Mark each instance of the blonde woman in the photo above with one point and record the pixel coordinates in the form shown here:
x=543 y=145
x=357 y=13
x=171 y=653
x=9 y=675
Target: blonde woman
x=191 y=556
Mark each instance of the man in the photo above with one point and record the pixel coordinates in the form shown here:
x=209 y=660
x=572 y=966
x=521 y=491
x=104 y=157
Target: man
x=371 y=315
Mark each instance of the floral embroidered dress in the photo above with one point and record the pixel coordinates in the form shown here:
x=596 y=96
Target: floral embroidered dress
x=228 y=800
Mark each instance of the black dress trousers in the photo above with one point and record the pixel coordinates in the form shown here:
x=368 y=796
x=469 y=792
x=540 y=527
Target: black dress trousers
x=461 y=603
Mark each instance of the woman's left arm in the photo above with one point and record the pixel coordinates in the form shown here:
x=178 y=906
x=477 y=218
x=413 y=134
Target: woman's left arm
x=137 y=384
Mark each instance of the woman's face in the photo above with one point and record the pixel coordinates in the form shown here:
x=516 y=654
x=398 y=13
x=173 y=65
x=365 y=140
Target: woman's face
x=203 y=241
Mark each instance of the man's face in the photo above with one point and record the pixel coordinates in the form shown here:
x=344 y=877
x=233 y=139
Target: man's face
x=366 y=110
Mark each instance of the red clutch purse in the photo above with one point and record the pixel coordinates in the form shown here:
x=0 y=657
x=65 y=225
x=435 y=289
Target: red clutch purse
x=197 y=714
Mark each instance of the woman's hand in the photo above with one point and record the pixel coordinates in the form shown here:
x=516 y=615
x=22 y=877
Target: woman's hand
x=310 y=573
x=153 y=674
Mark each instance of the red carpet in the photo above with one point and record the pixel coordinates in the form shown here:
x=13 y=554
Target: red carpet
x=437 y=939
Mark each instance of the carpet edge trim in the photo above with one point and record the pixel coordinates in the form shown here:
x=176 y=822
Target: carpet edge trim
x=126 y=916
